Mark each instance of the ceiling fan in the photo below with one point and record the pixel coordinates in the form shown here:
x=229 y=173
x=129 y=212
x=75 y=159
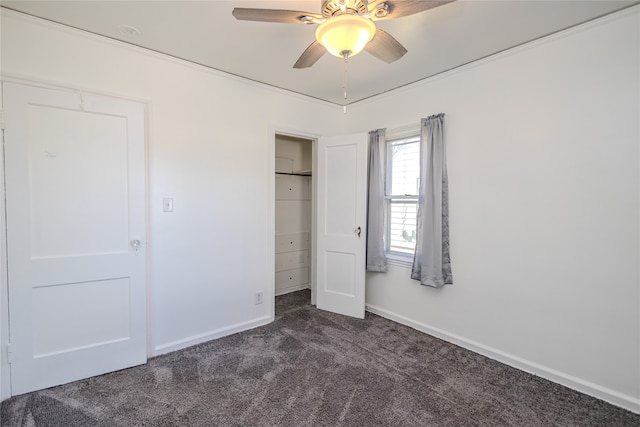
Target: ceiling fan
x=346 y=27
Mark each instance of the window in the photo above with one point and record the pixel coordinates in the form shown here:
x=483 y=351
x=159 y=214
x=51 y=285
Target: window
x=402 y=183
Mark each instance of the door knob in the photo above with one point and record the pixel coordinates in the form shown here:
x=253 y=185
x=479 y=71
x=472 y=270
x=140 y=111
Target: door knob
x=135 y=244
x=358 y=231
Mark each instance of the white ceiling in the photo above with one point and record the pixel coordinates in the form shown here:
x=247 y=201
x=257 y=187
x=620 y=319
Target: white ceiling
x=206 y=33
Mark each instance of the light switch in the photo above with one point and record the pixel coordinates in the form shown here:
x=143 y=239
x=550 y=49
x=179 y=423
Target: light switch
x=167 y=204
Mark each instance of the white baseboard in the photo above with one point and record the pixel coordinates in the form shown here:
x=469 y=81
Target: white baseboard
x=291 y=289
x=619 y=399
x=211 y=335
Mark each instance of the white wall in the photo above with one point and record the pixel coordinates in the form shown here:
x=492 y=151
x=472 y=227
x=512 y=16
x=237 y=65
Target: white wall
x=543 y=161
x=203 y=154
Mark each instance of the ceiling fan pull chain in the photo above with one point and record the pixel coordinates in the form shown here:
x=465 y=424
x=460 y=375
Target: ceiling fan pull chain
x=345 y=82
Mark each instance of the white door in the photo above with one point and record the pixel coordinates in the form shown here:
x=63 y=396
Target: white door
x=341 y=224
x=75 y=200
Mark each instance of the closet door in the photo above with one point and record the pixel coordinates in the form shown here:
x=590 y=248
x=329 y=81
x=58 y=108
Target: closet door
x=341 y=224
x=76 y=224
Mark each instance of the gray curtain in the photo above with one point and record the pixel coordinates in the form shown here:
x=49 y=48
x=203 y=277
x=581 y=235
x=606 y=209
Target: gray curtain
x=376 y=209
x=431 y=262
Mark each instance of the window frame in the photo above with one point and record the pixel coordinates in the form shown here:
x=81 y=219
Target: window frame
x=408 y=136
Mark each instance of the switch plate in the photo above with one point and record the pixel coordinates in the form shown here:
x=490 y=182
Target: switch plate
x=167 y=204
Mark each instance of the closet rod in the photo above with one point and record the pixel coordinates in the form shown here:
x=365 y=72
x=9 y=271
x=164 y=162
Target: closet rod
x=293 y=173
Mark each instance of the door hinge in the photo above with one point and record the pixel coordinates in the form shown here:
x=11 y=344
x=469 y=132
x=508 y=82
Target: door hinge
x=9 y=353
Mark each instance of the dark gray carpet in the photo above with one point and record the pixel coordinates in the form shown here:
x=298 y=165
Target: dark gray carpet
x=313 y=368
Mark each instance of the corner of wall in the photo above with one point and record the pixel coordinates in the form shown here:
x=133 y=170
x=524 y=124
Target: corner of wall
x=5 y=385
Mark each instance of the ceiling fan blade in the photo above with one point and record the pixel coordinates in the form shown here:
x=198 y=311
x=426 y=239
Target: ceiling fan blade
x=310 y=56
x=274 y=15
x=400 y=8
x=384 y=46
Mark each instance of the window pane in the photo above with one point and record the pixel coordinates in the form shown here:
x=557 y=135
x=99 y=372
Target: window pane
x=402 y=223
x=405 y=167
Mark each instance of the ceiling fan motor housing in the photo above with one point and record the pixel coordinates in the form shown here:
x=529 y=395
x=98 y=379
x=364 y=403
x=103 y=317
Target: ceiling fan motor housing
x=339 y=7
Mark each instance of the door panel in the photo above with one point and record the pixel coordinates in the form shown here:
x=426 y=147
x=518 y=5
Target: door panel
x=341 y=224
x=340 y=273
x=102 y=304
x=341 y=189
x=75 y=190
x=63 y=170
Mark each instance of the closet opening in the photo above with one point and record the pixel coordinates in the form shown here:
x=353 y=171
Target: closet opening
x=294 y=237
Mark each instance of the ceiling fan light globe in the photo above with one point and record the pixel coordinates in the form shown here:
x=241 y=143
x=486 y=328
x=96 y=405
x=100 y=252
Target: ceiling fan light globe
x=345 y=33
